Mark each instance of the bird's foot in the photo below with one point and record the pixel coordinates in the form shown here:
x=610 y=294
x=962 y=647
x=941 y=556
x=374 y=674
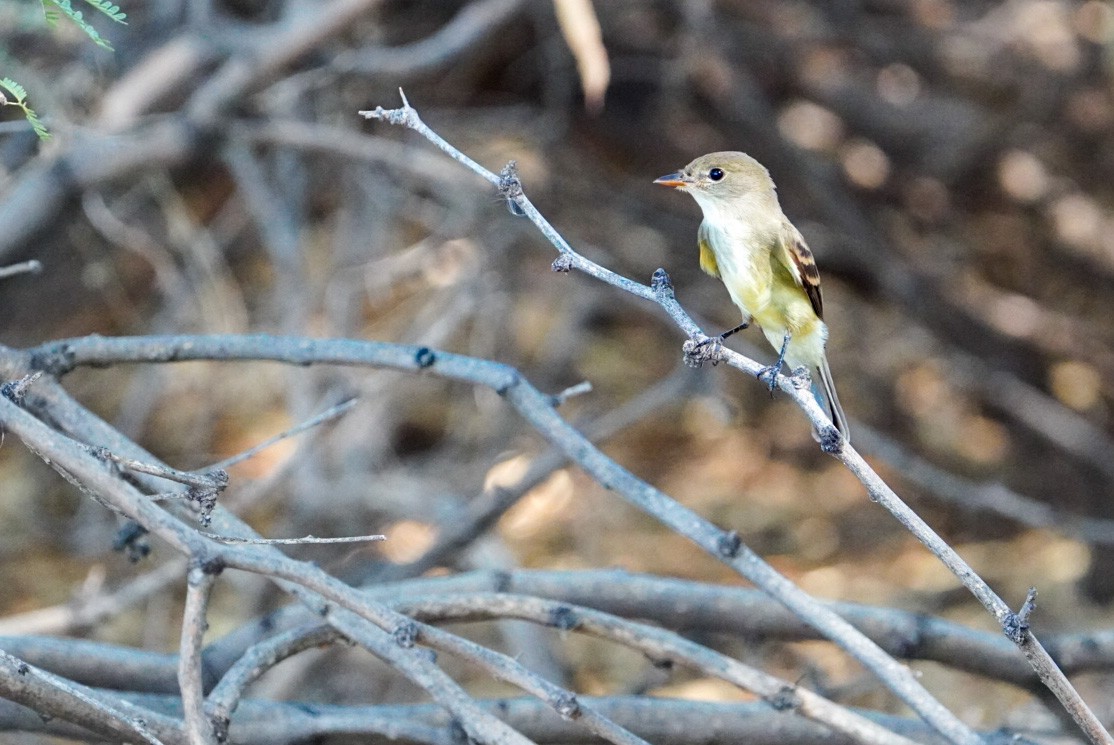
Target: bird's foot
x=701 y=349
x=768 y=375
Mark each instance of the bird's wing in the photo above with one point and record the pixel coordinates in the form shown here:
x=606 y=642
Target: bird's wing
x=707 y=256
x=795 y=255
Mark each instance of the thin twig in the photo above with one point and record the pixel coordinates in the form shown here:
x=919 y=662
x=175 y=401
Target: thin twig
x=572 y=391
x=293 y=541
x=333 y=412
x=199 y=586
x=24 y=267
x=209 y=479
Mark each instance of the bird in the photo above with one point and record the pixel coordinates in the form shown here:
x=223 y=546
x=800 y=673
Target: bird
x=747 y=241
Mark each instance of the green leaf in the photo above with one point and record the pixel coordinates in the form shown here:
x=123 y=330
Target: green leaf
x=49 y=14
x=109 y=9
x=19 y=93
x=36 y=124
x=75 y=16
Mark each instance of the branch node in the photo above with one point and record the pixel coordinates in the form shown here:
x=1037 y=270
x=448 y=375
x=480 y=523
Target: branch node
x=785 y=699
x=56 y=361
x=660 y=280
x=512 y=380
x=728 y=544
x=16 y=390
x=206 y=500
x=567 y=706
x=406 y=634
x=698 y=350
x=1016 y=625
x=457 y=734
x=405 y=116
x=219 y=477
x=211 y=566
x=800 y=378
x=103 y=454
x=131 y=538
x=831 y=441
x=220 y=727
x=572 y=391
x=562 y=263
x=564 y=618
x=424 y=358
x=510 y=186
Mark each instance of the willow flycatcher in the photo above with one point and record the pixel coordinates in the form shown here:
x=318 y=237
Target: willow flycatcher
x=749 y=243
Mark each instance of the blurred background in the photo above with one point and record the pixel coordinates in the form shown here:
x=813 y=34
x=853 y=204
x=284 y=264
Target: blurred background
x=950 y=164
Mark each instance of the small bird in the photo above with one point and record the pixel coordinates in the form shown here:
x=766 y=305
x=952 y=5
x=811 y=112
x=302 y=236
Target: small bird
x=769 y=271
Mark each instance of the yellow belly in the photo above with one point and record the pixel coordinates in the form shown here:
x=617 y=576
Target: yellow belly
x=764 y=290
x=779 y=308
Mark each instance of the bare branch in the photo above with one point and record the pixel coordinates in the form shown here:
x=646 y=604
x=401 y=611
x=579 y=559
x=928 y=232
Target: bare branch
x=329 y=596
x=535 y=408
x=47 y=693
x=657 y=719
x=199 y=585
x=656 y=644
x=256 y=660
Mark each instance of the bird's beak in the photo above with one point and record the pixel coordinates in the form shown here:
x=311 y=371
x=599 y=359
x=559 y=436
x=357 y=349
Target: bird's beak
x=676 y=180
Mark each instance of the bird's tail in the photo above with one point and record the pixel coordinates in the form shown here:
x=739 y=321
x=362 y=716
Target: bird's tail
x=826 y=396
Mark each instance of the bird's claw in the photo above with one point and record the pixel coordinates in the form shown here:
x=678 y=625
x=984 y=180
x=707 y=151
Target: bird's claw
x=701 y=349
x=799 y=377
x=768 y=375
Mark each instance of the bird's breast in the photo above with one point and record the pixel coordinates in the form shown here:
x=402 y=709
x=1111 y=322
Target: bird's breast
x=744 y=265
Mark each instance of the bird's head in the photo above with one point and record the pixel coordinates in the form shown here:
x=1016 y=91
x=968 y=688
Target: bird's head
x=717 y=178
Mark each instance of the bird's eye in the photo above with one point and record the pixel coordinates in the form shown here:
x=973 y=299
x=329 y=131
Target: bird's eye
x=715 y=174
